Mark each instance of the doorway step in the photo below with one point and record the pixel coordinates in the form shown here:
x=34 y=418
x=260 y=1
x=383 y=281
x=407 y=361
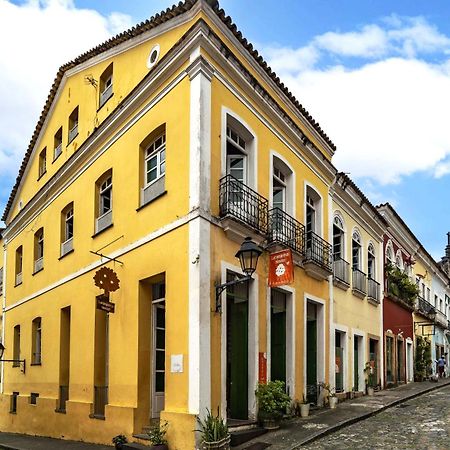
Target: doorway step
x=242 y=431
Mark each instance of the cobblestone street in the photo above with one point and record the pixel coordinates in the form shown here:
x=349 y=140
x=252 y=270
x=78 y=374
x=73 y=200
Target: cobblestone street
x=421 y=423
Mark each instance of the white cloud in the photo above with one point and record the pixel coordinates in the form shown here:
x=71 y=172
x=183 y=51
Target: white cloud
x=36 y=38
x=388 y=117
x=371 y=41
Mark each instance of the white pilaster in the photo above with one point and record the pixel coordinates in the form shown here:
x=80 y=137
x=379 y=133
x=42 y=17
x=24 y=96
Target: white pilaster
x=200 y=74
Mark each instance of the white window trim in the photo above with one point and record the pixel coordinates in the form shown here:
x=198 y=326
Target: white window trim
x=101 y=193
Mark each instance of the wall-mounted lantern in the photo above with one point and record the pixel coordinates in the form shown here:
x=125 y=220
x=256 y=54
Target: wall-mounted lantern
x=21 y=362
x=248 y=256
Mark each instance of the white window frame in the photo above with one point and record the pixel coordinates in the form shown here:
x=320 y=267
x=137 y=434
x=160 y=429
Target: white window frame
x=371 y=252
x=68 y=219
x=105 y=187
x=151 y=152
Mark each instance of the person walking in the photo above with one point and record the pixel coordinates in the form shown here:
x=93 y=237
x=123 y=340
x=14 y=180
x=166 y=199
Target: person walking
x=441 y=366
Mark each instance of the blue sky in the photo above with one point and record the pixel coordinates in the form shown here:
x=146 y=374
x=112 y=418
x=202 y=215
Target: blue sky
x=374 y=73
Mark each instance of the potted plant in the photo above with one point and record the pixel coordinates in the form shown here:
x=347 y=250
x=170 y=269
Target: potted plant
x=272 y=403
x=157 y=436
x=368 y=369
x=332 y=398
x=304 y=407
x=214 y=432
x=119 y=440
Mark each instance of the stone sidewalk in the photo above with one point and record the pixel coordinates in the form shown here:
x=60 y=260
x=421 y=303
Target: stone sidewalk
x=13 y=441
x=302 y=431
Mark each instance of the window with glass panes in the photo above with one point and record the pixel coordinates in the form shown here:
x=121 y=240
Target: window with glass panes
x=236 y=156
x=371 y=262
x=279 y=189
x=155 y=160
x=40 y=244
x=105 y=194
x=338 y=238
x=356 y=251
x=69 y=224
x=159 y=336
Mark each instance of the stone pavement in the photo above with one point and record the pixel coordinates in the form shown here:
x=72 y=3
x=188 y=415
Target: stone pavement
x=321 y=422
x=420 y=423
x=13 y=441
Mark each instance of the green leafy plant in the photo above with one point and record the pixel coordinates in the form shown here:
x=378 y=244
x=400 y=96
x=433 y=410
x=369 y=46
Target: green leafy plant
x=272 y=400
x=119 y=439
x=423 y=358
x=157 y=433
x=212 y=428
x=399 y=285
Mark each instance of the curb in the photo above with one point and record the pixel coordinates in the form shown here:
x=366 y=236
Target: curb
x=364 y=416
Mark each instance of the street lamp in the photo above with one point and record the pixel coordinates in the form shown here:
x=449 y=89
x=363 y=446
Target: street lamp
x=248 y=256
x=17 y=361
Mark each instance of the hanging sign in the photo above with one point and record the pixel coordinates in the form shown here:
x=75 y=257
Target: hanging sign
x=106 y=279
x=103 y=304
x=281 y=268
x=262 y=368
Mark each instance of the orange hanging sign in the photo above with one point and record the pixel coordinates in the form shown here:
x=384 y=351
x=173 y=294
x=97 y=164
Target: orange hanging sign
x=262 y=368
x=281 y=268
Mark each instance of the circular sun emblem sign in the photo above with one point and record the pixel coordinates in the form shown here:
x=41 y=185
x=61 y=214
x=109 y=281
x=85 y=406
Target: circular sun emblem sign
x=280 y=270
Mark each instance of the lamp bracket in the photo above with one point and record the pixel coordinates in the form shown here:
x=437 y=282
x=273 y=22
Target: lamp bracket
x=21 y=362
x=222 y=287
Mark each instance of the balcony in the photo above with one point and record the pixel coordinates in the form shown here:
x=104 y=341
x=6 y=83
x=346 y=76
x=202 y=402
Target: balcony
x=425 y=308
x=243 y=211
x=359 y=287
x=341 y=273
x=373 y=291
x=440 y=319
x=285 y=230
x=318 y=261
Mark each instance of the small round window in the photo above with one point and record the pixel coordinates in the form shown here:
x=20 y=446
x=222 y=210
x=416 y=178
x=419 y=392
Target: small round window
x=153 y=56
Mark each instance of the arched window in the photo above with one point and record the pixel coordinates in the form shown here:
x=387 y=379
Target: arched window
x=371 y=262
x=239 y=151
x=389 y=253
x=338 y=238
x=399 y=260
x=282 y=186
x=153 y=163
x=313 y=225
x=356 y=251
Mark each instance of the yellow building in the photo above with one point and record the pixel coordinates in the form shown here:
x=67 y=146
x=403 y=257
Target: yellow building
x=357 y=328
x=156 y=154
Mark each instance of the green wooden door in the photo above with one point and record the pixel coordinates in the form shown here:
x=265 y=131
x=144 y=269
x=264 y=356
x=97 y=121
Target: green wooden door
x=278 y=345
x=355 y=365
x=237 y=358
x=311 y=359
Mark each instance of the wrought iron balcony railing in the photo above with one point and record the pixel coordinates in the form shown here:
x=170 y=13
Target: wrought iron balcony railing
x=341 y=270
x=286 y=230
x=318 y=251
x=359 y=280
x=425 y=307
x=373 y=289
x=242 y=203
